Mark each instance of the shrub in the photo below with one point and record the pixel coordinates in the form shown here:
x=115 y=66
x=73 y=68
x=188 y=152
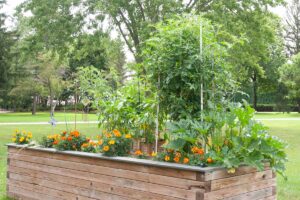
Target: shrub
x=115 y=143
x=22 y=137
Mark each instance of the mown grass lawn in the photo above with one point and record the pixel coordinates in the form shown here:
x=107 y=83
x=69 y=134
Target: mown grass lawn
x=45 y=117
x=288 y=130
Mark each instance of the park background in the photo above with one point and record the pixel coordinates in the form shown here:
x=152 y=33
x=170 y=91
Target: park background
x=46 y=46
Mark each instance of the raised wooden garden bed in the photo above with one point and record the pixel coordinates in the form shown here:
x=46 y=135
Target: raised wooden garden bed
x=36 y=173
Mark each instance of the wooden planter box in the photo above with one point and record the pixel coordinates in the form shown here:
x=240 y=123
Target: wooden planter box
x=36 y=173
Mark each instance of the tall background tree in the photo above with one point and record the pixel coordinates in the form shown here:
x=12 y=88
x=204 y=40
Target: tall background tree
x=6 y=42
x=292 y=28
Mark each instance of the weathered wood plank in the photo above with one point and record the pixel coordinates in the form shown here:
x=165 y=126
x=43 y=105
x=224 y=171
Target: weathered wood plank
x=274 y=197
x=111 y=180
x=242 y=179
x=151 y=178
x=103 y=187
x=255 y=195
x=240 y=189
x=108 y=163
x=222 y=173
x=64 y=191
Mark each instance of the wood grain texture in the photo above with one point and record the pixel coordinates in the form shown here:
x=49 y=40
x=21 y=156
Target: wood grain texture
x=34 y=174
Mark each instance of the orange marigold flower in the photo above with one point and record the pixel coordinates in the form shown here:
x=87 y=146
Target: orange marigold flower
x=76 y=133
x=200 y=151
x=55 y=142
x=186 y=160
x=105 y=148
x=176 y=159
x=128 y=136
x=64 y=132
x=100 y=142
x=195 y=149
x=209 y=160
x=84 y=145
x=63 y=138
x=69 y=138
x=138 y=152
x=88 y=139
x=117 y=133
x=167 y=158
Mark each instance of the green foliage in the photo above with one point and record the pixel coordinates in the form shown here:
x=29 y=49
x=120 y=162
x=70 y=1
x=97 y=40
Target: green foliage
x=131 y=108
x=290 y=76
x=173 y=56
x=230 y=138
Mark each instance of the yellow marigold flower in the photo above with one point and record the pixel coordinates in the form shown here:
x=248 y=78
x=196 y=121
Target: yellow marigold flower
x=105 y=148
x=111 y=142
x=100 y=142
x=186 y=160
x=128 y=136
x=108 y=135
x=14 y=139
x=153 y=154
x=117 y=133
x=167 y=158
x=49 y=137
x=16 y=131
x=22 y=139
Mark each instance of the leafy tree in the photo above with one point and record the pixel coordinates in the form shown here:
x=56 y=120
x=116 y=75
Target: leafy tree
x=6 y=43
x=292 y=28
x=257 y=37
x=290 y=76
x=55 y=23
x=134 y=19
x=98 y=50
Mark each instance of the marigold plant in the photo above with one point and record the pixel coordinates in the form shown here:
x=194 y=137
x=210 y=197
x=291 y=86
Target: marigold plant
x=50 y=140
x=114 y=143
x=22 y=137
x=89 y=146
x=70 y=141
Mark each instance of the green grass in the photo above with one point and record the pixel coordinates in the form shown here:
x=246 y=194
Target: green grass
x=288 y=130
x=45 y=117
x=270 y=115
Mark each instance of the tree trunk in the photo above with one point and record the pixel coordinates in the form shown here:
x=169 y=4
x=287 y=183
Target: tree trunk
x=254 y=81
x=34 y=101
x=298 y=105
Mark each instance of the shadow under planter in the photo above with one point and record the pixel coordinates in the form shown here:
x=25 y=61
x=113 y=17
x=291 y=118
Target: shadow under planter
x=40 y=173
